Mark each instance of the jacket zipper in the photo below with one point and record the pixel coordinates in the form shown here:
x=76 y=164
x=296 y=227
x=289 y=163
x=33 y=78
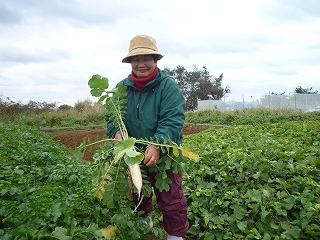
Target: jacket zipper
x=138 y=105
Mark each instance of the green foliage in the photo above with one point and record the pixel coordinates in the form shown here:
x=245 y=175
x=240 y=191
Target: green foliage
x=249 y=116
x=111 y=184
x=45 y=193
x=114 y=100
x=110 y=178
x=41 y=187
x=83 y=106
x=65 y=107
x=63 y=118
x=10 y=110
x=45 y=115
x=255 y=182
x=89 y=114
x=306 y=90
x=252 y=182
x=198 y=84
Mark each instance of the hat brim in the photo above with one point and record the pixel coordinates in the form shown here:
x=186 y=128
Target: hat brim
x=141 y=51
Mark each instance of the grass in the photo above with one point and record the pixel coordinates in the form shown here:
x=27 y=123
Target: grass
x=249 y=116
x=93 y=115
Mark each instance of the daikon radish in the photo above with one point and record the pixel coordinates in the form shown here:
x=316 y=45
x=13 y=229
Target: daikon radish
x=136 y=177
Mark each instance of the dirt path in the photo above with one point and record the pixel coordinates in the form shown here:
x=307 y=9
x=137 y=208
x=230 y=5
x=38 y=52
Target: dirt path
x=72 y=139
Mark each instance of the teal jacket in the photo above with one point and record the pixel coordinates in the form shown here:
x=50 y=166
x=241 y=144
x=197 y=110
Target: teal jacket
x=156 y=111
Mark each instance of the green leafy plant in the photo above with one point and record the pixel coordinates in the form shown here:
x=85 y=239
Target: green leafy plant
x=255 y=182
x=43 y=189
x=45 y=193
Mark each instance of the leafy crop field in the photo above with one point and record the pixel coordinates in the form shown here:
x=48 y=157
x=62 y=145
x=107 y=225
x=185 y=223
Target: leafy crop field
x=256 y=181
x=46 y=193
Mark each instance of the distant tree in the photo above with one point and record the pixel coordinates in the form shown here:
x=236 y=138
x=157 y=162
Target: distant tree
x=198 y=84
x=194 y=79
x=187 y=83
x=277 y=94
x=305 y=90
x=40 y=107
x=9 y=110
x=205 y=85
x=181 y=76
x=218 y=92
x=65 y=107
x=85 y=105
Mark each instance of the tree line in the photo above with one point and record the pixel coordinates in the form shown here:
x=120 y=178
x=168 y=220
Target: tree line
x=298 y=90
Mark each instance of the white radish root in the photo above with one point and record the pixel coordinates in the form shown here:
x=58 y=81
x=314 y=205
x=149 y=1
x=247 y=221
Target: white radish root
x=136 y=177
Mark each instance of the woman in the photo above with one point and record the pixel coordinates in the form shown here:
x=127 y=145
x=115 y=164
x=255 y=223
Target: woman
x=155 y=109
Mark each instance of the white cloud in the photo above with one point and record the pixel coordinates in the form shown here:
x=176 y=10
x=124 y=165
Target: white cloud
x=49 y=50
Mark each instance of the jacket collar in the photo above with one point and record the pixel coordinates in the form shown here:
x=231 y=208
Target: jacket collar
x=128 y=82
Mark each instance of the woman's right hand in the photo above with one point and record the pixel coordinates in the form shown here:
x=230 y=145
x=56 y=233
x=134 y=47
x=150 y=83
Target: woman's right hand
x=118 y=137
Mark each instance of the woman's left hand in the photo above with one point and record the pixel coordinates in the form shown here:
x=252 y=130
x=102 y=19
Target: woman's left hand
x=151 y=156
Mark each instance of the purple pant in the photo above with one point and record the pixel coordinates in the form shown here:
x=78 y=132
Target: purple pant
x=172 y=205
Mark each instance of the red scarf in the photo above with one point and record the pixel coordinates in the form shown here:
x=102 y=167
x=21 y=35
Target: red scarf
x=141 y=82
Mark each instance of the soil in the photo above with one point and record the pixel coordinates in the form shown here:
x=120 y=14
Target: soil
x=72 y=139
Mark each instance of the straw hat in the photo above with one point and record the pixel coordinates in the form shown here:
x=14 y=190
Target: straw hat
x=142 y=45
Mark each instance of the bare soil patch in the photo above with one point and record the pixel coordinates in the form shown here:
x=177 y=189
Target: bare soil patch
x=72 y=139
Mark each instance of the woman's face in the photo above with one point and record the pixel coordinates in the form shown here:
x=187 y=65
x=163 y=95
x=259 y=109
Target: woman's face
x=143 y=65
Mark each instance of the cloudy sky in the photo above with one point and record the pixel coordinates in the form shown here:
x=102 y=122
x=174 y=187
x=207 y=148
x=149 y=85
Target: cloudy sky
x=50 y=49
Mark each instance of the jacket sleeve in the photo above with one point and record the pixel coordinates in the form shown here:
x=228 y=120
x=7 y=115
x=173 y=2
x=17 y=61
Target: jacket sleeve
x=171 y=115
